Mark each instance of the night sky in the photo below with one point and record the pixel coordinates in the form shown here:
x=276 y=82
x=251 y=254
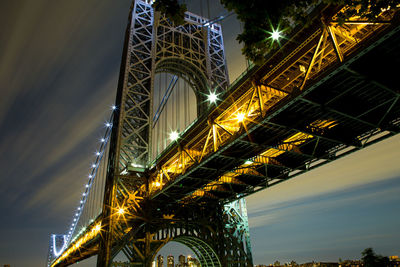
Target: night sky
x=59 y=63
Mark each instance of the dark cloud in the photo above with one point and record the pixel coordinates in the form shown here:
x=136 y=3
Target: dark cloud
x=59 y=63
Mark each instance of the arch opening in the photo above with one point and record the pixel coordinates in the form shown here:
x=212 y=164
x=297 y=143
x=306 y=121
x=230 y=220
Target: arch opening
x=189 y=72
x=174 y=109
x=205 y=256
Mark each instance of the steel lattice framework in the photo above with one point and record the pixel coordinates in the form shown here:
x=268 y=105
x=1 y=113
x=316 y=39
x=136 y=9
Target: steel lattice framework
x=190 y=51
x=327 y=92
x=195 y=53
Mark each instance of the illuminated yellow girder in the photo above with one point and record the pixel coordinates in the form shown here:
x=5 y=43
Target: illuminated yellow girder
x=74 y=246
x=253 y=105
x=268 y=155
x=218 y=132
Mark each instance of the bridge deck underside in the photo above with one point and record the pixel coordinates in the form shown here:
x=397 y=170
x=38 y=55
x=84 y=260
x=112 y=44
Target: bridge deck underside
x=358 y=99
x=362 y=100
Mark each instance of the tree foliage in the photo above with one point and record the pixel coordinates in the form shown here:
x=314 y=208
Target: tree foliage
x=262 y=17
x=172 y=10
x=370 y=259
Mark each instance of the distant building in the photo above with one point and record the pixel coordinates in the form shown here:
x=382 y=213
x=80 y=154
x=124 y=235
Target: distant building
x=351 y=263
x=394 y=261
x=192 y=262
x=160 y=261
x=127 y=264
x=170 y=261
x=181 y=261
x=320 y=264
x=326 y=264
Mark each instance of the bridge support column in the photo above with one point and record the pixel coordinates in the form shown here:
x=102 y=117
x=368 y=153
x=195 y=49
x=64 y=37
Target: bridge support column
x=217 y=234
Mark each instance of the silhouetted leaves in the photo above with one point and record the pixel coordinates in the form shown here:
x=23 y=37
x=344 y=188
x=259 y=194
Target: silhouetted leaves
x=261 y=17
x=370 y=259
x=172 y=10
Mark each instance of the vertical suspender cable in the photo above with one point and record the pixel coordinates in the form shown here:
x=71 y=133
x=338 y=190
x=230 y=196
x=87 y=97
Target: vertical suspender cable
x=164 y=121
x=178 y=109
x=184 y=107
x=173 y=110
x=159 y=133
x=91 y=201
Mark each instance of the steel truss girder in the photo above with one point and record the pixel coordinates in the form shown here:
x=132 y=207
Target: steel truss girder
x=342 y=114
x=190 y=51
x=319 y=80
x=294 y=98
x=217 y=234
x=333 y=139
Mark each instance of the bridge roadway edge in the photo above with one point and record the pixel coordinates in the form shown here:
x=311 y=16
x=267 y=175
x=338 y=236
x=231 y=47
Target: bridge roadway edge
x=327 y=74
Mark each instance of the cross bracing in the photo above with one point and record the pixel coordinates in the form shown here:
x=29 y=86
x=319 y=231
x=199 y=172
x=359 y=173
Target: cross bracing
x=325 y=93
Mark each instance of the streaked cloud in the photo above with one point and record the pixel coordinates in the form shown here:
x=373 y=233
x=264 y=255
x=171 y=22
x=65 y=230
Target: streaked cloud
x=314 y=204
x=375 y=163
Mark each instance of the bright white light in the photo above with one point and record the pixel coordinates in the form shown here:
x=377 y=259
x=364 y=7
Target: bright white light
x=102 y=140
x=248 y=162
x=76 y=214
x=173 y=136
x=97 y=228
x=87 y=186
x=55 y=252
x=121 y=211
x=114 y=107
x=81 y=201
x=212 y=97
x=275 y=35
x=108 y=125
x=79 y=208
x=240 y=117
x=157 y=184
x=90 y=176
x=83 y=194
x=75 y=220
x=97 y=153
x=137 y=165
x=93 y=165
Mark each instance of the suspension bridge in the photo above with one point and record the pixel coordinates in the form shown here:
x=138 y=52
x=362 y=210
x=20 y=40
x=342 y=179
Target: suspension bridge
x=184 y=146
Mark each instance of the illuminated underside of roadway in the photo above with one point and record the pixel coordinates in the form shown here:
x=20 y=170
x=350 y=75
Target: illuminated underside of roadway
x=327 y=92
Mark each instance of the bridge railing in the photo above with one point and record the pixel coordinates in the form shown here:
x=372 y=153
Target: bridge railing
x=244 y=106
x=306 y=56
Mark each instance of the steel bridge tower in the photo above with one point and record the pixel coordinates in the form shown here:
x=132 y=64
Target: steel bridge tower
x=216 y=232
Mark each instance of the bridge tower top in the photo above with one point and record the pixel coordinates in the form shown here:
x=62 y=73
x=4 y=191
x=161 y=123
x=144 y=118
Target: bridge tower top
x=193 y=51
